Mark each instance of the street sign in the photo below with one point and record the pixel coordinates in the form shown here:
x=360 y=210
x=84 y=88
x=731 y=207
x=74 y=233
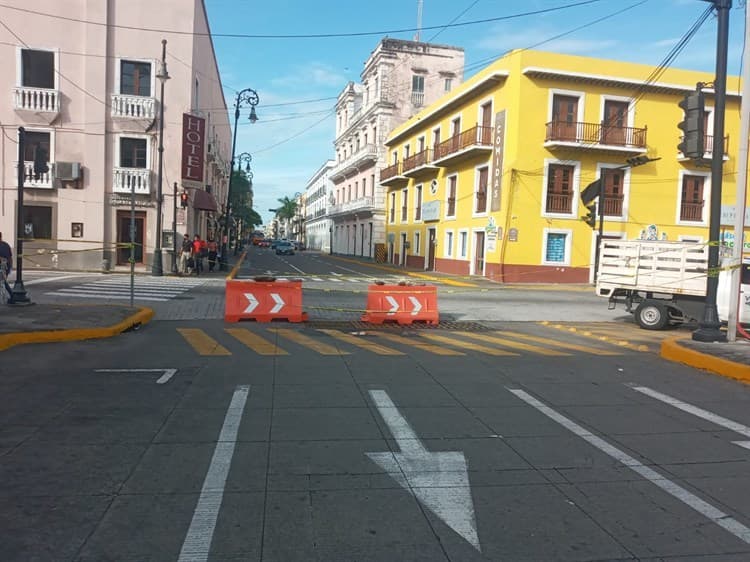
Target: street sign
x=439 y=481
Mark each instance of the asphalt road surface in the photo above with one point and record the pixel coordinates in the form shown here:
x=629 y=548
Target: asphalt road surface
x=486 y=439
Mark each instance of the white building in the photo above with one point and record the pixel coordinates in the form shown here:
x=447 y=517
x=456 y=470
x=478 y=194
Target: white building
x=318 y=196
x=399 y=78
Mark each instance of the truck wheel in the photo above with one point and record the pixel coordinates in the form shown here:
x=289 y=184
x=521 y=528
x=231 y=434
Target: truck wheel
x=651 y=315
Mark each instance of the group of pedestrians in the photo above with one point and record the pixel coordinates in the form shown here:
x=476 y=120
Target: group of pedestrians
x=193 y=252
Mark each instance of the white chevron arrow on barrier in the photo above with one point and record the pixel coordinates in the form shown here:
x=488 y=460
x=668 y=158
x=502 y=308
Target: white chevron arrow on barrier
x=252 y=302
x=417 y=305
x=393 y=303
x=279 y=303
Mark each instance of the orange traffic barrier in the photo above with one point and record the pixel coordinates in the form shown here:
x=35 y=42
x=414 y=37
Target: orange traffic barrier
x=402 y=303
x=263 y=299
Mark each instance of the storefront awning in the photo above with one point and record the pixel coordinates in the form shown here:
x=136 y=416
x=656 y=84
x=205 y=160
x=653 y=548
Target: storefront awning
x=204 y=201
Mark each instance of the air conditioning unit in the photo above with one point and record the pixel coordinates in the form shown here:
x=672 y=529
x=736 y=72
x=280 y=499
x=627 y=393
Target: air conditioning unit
x=66 y=171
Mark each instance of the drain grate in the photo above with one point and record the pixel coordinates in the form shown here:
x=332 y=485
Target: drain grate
x=357 y=325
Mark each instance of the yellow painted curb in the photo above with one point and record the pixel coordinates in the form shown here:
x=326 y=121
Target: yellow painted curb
x=672 y=350
x=409 y=273
x=236 y=268
x=143 y=315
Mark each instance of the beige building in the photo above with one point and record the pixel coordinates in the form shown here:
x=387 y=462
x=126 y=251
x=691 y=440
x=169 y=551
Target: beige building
x=88 y=97
x=399 y=78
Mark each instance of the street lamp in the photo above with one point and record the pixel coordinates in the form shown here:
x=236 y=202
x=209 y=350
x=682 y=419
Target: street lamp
x=249 y=97
x=245 y=158
x=156 y=265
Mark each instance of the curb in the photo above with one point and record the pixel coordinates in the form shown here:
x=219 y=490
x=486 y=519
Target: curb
x=673 y=351
x=143 y=316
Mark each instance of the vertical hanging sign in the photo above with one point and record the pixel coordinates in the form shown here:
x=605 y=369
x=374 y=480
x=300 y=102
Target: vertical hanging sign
x=193 y=145
x=497 y=160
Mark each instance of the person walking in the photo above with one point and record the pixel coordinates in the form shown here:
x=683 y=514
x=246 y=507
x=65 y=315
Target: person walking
x=213 y=249
x=6 y=262
x=185 y=251
x=198 y=246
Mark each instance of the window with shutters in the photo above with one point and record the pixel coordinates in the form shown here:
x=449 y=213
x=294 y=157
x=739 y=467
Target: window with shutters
x=133 y=153
x=480 y=200
x=692 y=200
x=418 y=203
x=614 y=193
x=404 y=205
x=392 y=210
x=451 y=193
x=560 y=188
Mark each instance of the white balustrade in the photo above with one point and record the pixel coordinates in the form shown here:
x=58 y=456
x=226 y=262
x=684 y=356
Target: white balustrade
x=126 y=180
x=361 y=204
x=36 y=99
x=133 y=107
x=44 y=181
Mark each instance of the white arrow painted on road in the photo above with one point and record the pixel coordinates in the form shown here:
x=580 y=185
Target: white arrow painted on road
x=417 y=305
x=394 y=304
x=252 y=302
x=168 y=373
x=279 y=303
x=440 y=481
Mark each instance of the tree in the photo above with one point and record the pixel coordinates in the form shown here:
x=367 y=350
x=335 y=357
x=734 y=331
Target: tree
x=287 y=209
x=241 y=200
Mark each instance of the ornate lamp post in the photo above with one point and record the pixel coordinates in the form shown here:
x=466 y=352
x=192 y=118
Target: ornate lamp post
x=156 y=265
x=247 y=97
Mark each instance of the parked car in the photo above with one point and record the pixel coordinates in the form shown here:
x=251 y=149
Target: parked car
x=275 y=242
x=285 y=248
x=299 y=246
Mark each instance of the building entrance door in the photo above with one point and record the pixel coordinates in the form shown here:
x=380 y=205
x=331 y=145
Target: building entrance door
x=123 y=237
x=479 y=253
x=431 y=240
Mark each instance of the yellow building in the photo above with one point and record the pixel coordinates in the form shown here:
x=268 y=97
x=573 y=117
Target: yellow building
x=488 y=179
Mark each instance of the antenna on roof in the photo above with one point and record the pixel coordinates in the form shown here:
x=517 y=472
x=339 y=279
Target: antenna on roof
x=419 y=19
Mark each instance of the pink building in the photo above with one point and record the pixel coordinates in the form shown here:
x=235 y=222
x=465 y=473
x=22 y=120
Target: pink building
x=88 y=96
x=399 y=78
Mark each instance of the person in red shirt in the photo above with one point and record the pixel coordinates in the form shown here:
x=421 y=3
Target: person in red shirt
x=198 y=247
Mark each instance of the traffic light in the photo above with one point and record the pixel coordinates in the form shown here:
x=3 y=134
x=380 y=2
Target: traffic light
x=590 y=218
x=184 y=199
x=40 y=161
x=692 y=142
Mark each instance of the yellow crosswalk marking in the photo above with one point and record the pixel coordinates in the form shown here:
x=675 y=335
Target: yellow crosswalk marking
x=259 y=345
x=561 y=344
x=513 y=344
x=316 y=345
x=414 y=342
x=202 y=343
x=362 y=342
x=466 y=344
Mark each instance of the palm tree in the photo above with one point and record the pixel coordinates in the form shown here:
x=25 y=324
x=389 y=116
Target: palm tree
x=287 y=209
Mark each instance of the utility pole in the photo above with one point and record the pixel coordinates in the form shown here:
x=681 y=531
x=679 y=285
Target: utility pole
x=19 y=291
x=174 y=229
x=157 y=268
x=709 y=330
x=740 y=202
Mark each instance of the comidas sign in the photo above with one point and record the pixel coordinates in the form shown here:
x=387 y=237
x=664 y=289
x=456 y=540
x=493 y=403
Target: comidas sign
x=193 y=145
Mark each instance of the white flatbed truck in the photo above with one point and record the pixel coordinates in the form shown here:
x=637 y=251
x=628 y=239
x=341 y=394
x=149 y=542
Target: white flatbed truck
x=663 y=282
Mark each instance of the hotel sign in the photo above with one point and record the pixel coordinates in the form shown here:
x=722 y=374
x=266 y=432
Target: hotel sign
x=498 y=136
x=193 y=146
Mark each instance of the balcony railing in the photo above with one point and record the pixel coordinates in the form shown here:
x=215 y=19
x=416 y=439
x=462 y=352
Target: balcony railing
x=366 y=153
x=360 y=204
x=417 y=99
x=477 y=136
x=133 y=107
x=708 y=144
x=44 y=181
x=613 y=205
x=36 y=99
x=126 y=180
x=691 y=211
x=390 y=172
x=559 y=203
x=595 y=134
x=418 y=160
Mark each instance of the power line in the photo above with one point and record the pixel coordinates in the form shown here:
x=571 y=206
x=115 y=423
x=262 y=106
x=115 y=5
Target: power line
x=307 y=36
x=294 y=136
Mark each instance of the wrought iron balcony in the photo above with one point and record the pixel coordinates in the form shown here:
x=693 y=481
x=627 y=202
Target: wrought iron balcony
x=126 y=106
x=472 y=142
x=560 y=203
x=127 y=180
x=391 y=175
x=595 y=136
x=44 y=181
x=613 y=205
x=418 y=163
x=692 y=212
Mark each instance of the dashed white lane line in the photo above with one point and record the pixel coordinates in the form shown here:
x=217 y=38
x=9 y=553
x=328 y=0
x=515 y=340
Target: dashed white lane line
x=201 y=532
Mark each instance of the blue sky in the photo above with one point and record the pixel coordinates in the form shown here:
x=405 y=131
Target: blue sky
x=291 y=140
